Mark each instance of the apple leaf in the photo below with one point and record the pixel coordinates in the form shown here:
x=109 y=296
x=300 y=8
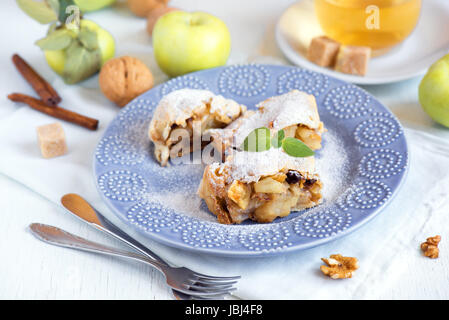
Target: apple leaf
x=88 y=39
x=57 y=40
x=296 y=148
x=54 y=5
x=38 y=10
x=258 y=140
x=53 y=27
x=80 y=63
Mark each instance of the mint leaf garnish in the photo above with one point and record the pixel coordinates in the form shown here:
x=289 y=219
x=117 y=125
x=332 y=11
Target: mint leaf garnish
x=258 y=140
x=296 y=148
x=277 y=139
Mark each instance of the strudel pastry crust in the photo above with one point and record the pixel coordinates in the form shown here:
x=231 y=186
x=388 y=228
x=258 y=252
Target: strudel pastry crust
x=260 y=186
x=180 y=109
x=295 y=112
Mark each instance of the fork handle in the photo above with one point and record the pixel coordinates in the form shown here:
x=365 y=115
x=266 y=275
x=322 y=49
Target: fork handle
x=61 y=238
x=83 y=210
x=111 y=229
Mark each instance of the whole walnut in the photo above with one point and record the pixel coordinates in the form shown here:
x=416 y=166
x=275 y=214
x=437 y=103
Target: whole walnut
x=123 y=79
x=155 y=14
x=142 y=8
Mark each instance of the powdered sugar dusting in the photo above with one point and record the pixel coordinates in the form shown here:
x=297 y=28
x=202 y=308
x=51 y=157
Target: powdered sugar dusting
x=251 y=166
x=294 y=107
x=181 y=103
x=179 y=191
x=332 y=166
x=185 y=202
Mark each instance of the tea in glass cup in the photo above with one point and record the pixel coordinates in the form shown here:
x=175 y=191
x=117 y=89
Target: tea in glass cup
x=379 y=24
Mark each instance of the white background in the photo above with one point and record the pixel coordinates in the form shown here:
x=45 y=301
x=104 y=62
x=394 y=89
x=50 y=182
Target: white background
x=30 y=269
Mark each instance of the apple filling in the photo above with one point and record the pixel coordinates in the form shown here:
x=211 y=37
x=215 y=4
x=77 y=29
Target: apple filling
x=183 y=116
x=311 y=137
x=178 y=145
x=263 y=201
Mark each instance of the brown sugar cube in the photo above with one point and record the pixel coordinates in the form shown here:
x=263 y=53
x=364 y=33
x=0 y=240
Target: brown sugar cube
x=323 y=51
x=353 y=60
x=51 y=140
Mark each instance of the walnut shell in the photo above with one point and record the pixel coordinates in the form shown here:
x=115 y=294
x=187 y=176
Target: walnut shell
x=123 y=79
x=155 y=14
x=142 y=8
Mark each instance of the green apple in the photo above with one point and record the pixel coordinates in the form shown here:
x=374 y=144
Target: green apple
x=184 y=42
x=434 y=91
x=56 y=58
x=92 y=5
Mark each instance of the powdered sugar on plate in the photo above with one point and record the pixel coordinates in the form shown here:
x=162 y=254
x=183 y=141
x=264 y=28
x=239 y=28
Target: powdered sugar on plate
x=184 y=202
x=332 y=166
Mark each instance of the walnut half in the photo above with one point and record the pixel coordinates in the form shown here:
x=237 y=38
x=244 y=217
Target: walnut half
x=430 y=247
x=339 y=267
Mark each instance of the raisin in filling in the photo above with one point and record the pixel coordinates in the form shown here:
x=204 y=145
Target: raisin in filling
x=309 y=182
x=293 y=177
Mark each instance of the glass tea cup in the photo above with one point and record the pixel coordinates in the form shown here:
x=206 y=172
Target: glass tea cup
x=379 y=24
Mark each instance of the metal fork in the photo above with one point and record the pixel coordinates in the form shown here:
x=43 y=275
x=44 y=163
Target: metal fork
x=80 y=208
x=180 y=279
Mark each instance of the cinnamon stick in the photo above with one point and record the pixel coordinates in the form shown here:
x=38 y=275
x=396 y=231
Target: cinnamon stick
x=47 y=93
x=56 y=112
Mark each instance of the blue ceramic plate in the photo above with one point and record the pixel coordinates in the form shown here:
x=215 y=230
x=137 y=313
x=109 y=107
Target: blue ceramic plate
x=362 y=163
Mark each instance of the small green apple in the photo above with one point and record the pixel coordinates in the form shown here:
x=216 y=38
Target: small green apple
x=56 y=58
x=92 y=5
x=434 y=91
x=184 y=42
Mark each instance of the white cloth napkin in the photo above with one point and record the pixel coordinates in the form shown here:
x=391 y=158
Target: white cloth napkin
x=387 y=247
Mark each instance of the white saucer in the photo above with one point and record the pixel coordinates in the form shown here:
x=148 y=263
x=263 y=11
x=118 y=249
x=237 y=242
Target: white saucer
x=428 y=42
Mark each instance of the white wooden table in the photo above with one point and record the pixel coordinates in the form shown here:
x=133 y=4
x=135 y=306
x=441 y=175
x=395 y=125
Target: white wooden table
x=30 y=269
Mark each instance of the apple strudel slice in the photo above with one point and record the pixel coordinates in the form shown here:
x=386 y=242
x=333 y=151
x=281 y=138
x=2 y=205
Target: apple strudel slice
x=295 y=112
x=195 y=111
x=260 y=186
